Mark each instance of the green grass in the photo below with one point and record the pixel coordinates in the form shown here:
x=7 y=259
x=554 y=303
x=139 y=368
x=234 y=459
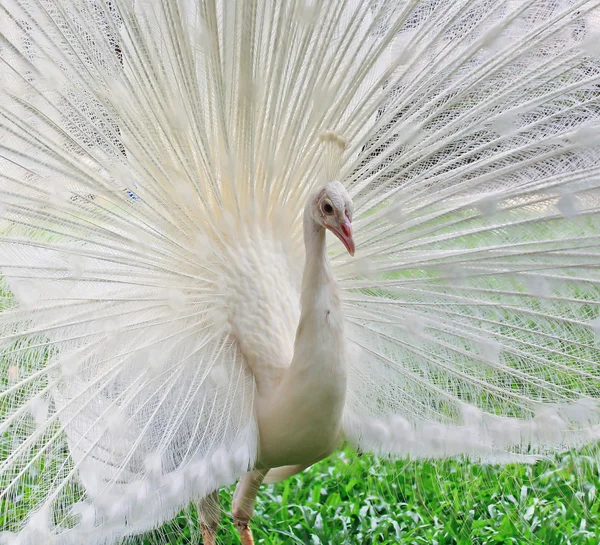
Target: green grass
x=363 y=500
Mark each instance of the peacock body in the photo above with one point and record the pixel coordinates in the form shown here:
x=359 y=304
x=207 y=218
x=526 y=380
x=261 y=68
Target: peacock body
x=165 y=326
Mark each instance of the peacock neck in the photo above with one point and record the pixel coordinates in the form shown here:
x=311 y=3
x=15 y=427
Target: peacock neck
x=317 y=274
x=321 y=317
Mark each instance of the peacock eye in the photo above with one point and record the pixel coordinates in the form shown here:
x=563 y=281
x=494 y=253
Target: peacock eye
x=327 y=208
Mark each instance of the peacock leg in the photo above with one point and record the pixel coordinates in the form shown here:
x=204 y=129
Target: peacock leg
x=243 y=503
x=209 y=514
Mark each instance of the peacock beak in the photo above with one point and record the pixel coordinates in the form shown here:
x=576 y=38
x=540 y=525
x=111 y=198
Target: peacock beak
x=344 y=233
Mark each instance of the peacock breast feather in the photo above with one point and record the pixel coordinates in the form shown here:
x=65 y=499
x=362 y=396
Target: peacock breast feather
x=260 y=293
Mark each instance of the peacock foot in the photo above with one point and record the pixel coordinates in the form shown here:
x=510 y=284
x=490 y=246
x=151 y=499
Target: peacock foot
x=243 y=528
x=209 y=534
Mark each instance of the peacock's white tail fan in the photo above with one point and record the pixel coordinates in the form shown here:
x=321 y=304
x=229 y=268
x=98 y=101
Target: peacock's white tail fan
x=154 y=156
x=474 y=304
x=122 y=402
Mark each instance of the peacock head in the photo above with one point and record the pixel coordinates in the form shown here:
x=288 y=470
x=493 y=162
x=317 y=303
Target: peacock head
x=332 y=208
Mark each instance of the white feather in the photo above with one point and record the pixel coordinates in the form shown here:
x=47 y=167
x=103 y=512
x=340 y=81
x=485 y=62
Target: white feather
x=151 y=200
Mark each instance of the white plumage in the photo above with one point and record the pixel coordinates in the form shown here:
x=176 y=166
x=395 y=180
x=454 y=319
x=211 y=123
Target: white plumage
x=158 y=161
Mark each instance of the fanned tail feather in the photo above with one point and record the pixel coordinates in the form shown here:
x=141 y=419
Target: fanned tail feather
x=474 y=304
